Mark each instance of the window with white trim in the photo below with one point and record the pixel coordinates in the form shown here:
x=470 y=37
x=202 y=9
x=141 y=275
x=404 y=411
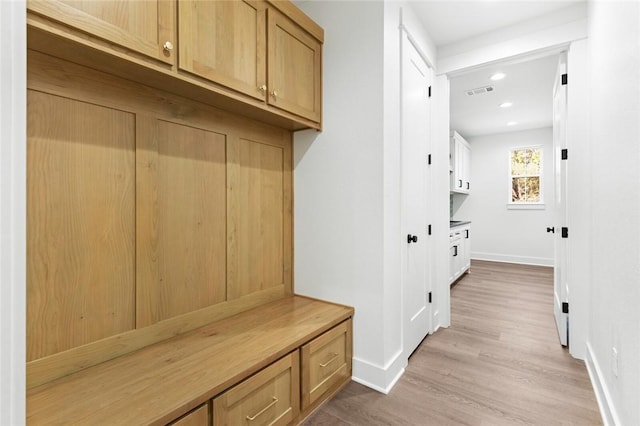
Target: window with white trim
x=525 y=174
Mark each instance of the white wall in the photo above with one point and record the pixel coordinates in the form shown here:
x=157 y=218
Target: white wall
x=498 y=233
x=13 y=72
x=347 y=180
x=614 y=48
x=338 y=177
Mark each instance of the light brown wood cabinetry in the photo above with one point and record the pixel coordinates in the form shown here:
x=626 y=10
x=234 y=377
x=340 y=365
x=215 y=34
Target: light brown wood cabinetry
x=326 y=364
x=271 y=397
x=241 y=362
x=197 y=417
x=146 y=27
x=294 y=67
x=148 y=215
x=159 y=224
x=252 y=47
x=258 y=58
x=225 y=42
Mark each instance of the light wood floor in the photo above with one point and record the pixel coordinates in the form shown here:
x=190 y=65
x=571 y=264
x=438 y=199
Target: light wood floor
x=500 y=363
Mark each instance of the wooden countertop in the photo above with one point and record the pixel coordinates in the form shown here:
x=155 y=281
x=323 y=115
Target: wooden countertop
x=157 y=384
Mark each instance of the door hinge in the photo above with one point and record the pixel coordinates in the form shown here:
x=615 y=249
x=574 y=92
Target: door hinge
x=565 y=232
x=429 y=91
x=564 y=154
x=430 y=298
x=564 y=79
x=429 y=230
x=565 y=307
x=429 y=159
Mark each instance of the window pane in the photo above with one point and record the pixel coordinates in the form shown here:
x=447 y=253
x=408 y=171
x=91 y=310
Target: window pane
x=518 y=162
x=533 y=162
x=518 y=190
x=532 y=185
x=525 y=190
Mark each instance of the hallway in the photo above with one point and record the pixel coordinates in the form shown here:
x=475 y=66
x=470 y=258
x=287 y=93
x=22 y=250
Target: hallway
x=499 y=363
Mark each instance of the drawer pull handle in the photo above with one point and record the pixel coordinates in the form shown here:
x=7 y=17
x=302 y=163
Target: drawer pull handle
x=271 y=404
x=333 y=358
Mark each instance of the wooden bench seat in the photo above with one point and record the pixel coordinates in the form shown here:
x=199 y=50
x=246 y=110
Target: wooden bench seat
x=161 y=382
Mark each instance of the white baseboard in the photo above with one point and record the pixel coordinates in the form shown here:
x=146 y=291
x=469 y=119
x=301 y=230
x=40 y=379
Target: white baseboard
x=508 y=258
x=376 y=377
x=607 y=409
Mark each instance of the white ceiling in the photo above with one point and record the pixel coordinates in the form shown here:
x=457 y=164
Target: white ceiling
x=451 y=21
x=528 y=85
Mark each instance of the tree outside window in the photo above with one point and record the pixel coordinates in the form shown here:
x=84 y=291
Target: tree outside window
x=526 y=175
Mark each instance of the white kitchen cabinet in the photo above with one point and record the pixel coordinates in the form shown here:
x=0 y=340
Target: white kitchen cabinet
x=459 y=250
x=460 y=164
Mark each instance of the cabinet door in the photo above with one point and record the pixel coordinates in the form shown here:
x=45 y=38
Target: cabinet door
x=294 y=71
x=458 y=180
x=142 y=26
x=270 y=397
x=326 y=363
x=466 y=249
x=225 y=42
x=452 y=259
x=197 y=417
x=466 y=167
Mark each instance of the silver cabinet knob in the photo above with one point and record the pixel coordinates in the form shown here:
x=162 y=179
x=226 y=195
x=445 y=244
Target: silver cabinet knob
x=274 y=94
x=168 y=46
x=263 y=88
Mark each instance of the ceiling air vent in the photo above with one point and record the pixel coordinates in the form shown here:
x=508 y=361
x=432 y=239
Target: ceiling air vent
x=479 y=90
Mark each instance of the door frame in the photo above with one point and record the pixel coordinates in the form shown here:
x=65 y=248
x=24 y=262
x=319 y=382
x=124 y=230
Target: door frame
x=560 y=208
x=577 y=112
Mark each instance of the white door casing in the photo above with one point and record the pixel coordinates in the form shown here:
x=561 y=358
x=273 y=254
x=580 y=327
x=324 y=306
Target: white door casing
x=415 y=140
x=560 y=279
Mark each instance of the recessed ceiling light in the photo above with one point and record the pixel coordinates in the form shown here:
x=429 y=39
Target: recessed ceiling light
x=498 y=76
x=512 y=123
x=506 y=104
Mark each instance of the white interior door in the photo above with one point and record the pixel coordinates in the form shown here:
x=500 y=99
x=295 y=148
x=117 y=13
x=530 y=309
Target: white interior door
x=560 y=281
x=415 y=113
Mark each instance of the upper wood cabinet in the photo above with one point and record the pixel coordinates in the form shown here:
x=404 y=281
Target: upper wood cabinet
x=225 y=42
x=146 y=27
x=253 y=48
x=295 y=68
x=257 y=58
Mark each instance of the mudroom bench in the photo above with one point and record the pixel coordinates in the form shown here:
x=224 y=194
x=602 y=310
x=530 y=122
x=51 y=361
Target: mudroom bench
x=273 y=364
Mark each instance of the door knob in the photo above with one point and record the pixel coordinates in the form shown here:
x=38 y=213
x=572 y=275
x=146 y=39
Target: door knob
x=412 y=238
x=552 y=229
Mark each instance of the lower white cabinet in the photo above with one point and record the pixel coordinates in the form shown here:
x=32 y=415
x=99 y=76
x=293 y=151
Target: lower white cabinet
x=459 y=251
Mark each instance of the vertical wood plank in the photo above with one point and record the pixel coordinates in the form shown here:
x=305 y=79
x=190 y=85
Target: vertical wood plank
x=146 y=220
x=192 y=213
x=80 y=216
x=258 y=216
